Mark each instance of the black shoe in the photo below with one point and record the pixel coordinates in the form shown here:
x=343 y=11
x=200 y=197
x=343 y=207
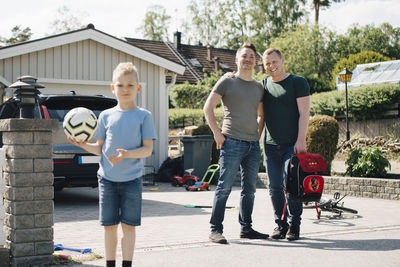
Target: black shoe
x=280 y=232
x=294 y=232
x=253 y=234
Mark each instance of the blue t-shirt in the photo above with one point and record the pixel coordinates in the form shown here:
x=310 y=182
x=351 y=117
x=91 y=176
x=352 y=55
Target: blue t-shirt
x=126 y=130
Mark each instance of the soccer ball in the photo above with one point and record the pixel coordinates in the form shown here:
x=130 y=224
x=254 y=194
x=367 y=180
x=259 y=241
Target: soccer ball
x=80 y=124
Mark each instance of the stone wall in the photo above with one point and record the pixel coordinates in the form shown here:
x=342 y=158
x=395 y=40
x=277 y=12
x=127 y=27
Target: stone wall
x=4 y=253
x=28 y=194
x=363 y=187
x=354 y=186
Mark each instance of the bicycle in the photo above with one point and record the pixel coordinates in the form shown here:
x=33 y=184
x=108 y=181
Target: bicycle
x=332 y=205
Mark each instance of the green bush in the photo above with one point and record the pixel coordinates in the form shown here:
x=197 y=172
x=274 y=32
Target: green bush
x=318 y=85
x=176 y=116
x=194 y=96
x=202 y=130
x=367 y=162
x=190 y=95
x=323 y=137
x=365 y=103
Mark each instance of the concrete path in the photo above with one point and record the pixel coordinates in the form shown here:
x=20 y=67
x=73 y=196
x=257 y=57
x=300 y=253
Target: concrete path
x=173 y=235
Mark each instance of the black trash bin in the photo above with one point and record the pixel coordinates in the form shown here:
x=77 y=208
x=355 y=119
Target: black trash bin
x=197 y=151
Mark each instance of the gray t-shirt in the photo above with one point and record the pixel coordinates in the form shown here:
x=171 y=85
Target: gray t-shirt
x=240 y=99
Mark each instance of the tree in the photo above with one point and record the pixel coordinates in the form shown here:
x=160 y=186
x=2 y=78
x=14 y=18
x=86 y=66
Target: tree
x=308 y=51
x=383 y=39
x=318 y=4
x=229 y=23
x=207 y=20
x=269 y=18
x=65 y=21
x=155 y=24
x=237 y=23
x=18 y=35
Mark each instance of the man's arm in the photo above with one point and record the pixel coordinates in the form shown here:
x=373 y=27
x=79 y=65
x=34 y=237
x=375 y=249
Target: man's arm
x=260 y=118
x=212 y=101
x=303 y=104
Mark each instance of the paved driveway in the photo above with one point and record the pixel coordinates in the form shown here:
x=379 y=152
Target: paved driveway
x=173 y=235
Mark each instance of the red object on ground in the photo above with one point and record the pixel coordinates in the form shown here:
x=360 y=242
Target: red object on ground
x=186 y=179
x=65 y=257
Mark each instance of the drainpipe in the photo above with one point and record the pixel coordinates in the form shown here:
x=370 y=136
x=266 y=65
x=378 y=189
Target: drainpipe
x=172 y=83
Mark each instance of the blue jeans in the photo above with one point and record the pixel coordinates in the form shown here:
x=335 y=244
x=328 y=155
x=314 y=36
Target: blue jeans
x=120 y=202
x=276 y=160
x=236 y=154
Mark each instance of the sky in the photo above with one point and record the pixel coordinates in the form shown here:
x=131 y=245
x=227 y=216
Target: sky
x=122 y=18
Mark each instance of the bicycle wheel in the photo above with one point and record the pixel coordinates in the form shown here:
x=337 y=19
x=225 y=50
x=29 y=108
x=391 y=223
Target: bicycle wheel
x=346 y=209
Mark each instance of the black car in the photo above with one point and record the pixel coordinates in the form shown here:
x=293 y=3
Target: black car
x=73 y=166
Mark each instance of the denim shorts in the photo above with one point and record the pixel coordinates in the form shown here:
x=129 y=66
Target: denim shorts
x=120 y=202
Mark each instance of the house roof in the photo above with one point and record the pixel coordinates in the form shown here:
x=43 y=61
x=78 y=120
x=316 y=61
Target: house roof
x=374 y=73
x=195 y=58
x=90 y=33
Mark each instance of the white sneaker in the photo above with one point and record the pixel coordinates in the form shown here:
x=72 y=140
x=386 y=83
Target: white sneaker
x=218 y=238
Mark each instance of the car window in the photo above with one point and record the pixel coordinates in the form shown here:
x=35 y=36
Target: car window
x=9 y=110
x=59 y=107
x=59 y=114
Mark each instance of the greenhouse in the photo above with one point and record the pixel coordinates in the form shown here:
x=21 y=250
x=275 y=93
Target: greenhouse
x=373 y=73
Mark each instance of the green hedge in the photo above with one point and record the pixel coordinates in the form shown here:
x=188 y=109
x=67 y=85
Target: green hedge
x=365 y=103
x=194 y=95
x=180 y=117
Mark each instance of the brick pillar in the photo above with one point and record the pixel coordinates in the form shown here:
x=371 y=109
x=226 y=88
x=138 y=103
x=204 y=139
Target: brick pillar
x=4 y=254
x=29 y=193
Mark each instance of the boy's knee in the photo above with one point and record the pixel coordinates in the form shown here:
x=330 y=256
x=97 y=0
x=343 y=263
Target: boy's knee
x=127 y=227
x=110 y=227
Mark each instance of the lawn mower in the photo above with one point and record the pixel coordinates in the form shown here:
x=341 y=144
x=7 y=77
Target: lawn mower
x=186 y=179
x=203 y=185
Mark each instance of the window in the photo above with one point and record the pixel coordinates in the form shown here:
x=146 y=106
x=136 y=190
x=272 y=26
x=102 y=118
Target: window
x=195 y=62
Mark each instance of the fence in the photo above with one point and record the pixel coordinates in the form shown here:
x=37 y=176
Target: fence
x=149 y=175
x=185 y=121
x=388 y=128
x=189 y=121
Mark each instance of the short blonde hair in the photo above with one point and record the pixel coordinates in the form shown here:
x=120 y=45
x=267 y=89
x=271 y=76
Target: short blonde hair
x=125 y=68
x=271 y=50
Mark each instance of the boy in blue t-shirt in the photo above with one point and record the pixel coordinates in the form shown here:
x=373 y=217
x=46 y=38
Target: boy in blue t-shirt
x=124 y=136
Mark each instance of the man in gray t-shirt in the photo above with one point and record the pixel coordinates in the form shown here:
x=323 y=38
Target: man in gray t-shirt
x=238 y=140
x=240 y=99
